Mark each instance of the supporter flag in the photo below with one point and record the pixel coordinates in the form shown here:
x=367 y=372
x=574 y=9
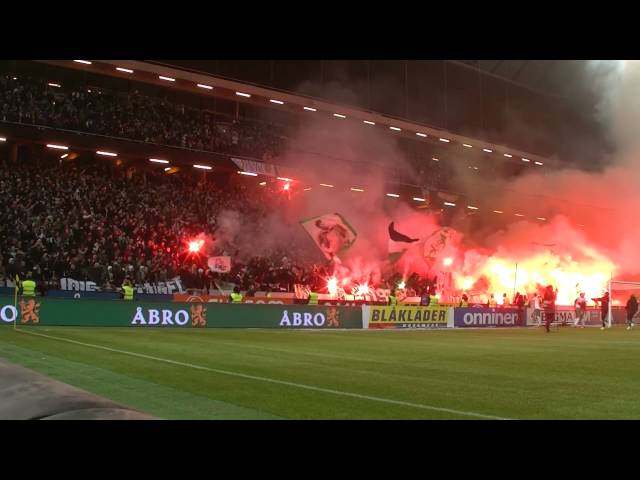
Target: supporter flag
x=435 y=243
x=219 y=264
x=331 y=233
x=398 y=243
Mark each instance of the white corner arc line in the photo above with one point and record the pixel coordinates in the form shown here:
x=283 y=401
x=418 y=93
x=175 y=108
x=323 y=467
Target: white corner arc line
x=272 y=380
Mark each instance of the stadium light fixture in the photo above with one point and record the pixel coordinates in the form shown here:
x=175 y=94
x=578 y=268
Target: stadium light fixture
x=57 y=85
x=339 y=115
x=449 y=204
x=326 y=185
x=471 y=207
x=353 y=189
x=206 y=87
x=420 y=134
x=508 y=155
x=15 y=78
x=168 y=79
x=435 y=159
x=394 y=195
x=395 y=128
x=202 y=167
x=538 y=163
x=498 y=211
x=86 y=62
x=526 y=160
x=285 y=179
x=445 y=140
x=251 y=174
x=541 y=219
x=307 y=189
x=64 y=156
x=125 y=70
x=310 y=109
x=488 y=150
x=279 y=102
x=467 y=145
x=57 y=147
x=519 y=215
x=166 y=169
x=106 y=154
x=158 y=160
x=368 y=122
x=2 y=139
x=418 y=199
x=262 y=184
x=241 y=94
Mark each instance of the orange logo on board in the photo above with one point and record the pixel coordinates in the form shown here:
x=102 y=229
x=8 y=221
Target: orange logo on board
x=198 y=316
x=29 y=311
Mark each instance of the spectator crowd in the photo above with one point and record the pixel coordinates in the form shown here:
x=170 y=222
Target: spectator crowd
x=95 y=221
x=134 y=116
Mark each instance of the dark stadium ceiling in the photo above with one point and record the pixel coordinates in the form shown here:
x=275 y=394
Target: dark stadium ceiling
x=550 y=77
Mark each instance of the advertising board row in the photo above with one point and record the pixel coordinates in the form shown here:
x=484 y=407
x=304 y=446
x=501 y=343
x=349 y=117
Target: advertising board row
x=85 y=312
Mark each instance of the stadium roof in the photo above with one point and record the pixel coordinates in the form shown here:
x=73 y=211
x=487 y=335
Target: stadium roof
x=556 y=78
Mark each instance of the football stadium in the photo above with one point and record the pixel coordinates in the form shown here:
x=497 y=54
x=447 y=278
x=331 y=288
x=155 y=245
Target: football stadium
x=319 y=240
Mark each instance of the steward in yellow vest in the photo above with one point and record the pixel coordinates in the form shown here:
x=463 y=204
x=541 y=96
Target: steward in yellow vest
x=236 y=296
x=464 y=301
x=28 y=286
x=313 y=298
x=127 y=291
x=393 y=300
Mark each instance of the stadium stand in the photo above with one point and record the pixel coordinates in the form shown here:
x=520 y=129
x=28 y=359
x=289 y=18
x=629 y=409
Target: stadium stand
x=77 y=220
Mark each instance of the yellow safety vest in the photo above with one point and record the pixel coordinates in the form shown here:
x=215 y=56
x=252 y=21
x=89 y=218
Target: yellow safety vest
x=393 y=300
x=28 y=288
x=128 y=292
x=313 y=298
x=236 y=297
x=433 y=300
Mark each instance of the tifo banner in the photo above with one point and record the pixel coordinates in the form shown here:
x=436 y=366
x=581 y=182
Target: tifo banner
x=276 y=299
x=255 y=167
x=375 y=296
x=47 y=311
x=219 y=264
x=90 y=295
x=407 y=317
x=141 y=297
x=331 y=233
x=171 y=286
x=488 y=317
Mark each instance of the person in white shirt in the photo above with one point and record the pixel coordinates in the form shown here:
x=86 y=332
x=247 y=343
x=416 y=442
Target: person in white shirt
x=537 y=310
x=581 y=310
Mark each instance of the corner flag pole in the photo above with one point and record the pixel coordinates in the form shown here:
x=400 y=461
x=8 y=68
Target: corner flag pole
x=15 y=301
x=610 y=300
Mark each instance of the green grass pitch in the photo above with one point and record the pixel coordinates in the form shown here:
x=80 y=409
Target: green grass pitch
x=297 y=374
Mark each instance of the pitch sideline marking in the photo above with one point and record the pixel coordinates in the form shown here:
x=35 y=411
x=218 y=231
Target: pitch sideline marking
x=272 y=380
